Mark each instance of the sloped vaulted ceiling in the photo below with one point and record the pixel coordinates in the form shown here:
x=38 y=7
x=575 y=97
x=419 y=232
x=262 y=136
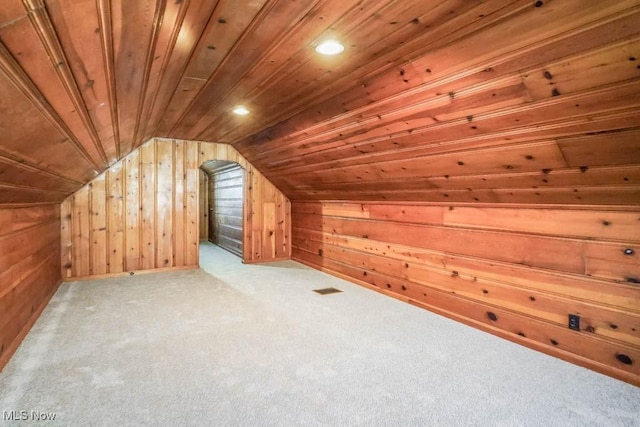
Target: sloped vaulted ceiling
x=498 y=101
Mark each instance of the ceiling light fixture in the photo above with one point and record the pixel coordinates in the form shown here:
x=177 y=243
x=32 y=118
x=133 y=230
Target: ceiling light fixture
x=329 y=47
x=240 y=110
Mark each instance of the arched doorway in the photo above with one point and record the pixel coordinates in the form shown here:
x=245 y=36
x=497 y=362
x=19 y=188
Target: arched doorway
x=267 y=212
x=222 y=195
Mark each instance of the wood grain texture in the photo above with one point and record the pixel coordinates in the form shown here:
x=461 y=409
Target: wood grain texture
x=204 y=205
x=266 y=211
x=144 y=213
x=406 y=132
x=225 y=206
x=29 y=270
x=431 y=101
x=531 y=268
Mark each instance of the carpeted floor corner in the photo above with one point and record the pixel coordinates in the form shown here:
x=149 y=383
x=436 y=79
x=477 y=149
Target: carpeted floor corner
x=251 y=345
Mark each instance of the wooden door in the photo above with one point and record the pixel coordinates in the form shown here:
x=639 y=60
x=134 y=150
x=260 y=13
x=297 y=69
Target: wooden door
x=226 y=198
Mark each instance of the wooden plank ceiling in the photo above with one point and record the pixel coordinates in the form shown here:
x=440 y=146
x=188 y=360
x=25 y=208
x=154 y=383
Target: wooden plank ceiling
x=456 y=101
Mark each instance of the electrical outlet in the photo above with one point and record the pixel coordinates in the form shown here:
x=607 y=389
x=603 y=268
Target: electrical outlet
x=574 y=322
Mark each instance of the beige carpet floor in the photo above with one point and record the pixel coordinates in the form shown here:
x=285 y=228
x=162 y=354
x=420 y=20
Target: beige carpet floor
x=251 y=345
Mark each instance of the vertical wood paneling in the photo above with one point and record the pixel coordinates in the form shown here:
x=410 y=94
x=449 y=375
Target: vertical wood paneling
x=265 y=231
x=204 y=205
x=179 y=238
x=29 y=269
x=132 y=211
x=144 y=213
x=66 y=237
x=288 y=227
x=247 y=229
x=257 y=218
x=148 y=205
x=98 y=239
x=517 y=273
x=164 y=204
x=115 y=212
x=269 y=223
x=280 y=233
x=81 y=231
x=192 y=208
x=269 y=228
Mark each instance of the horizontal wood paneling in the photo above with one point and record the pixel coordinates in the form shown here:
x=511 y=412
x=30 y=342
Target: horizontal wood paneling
x=482 y=106
x=29 y=270
x=204 y=205
x=226 y=200
x=430 y=101
x=143 y=213
x=267 y=211
x=531 y=268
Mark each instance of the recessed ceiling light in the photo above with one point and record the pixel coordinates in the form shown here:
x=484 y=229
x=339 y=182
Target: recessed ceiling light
x=240 y=110
x=329 y=47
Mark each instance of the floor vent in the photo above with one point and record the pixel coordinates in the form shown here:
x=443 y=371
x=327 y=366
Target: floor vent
x=327 y=291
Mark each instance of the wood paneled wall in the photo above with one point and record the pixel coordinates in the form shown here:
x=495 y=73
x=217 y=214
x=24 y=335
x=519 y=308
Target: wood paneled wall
x=226 y=200
x=432 y=100
x=143 y=213
x=516 y=273
x=473 y=115
x=29 y=270
x=267 y=213
x=204 y=205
